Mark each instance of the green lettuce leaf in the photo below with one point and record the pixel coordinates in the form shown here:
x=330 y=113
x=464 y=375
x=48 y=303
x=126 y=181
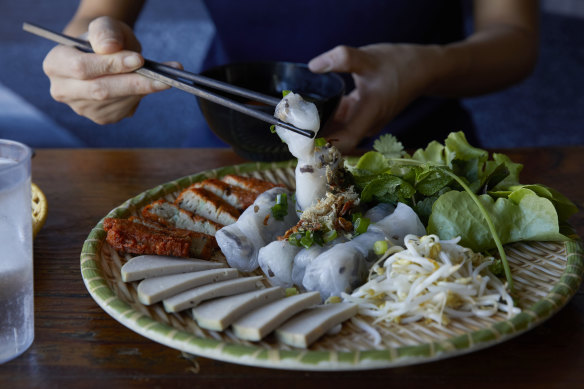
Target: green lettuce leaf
x=371 y=163
x=434 y=152
x=523 y=216
x=456 y=143
x=513 y=168
x=564 y=207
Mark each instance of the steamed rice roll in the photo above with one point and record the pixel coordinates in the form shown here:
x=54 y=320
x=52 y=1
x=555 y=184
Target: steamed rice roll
x=344 y=267
x=241 y=241
x=276 y=260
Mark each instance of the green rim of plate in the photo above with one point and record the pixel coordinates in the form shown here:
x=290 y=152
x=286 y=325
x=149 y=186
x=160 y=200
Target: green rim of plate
x=98 y=287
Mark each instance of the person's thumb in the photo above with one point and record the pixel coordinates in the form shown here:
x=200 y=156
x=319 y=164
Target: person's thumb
x=342 y=59
x=106 y=35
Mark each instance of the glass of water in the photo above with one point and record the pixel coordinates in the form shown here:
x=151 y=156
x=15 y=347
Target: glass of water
x=16 y=280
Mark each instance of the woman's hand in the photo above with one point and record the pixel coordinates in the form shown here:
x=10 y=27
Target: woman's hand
x=101 y=86
x=500 y=52
x=387 y=78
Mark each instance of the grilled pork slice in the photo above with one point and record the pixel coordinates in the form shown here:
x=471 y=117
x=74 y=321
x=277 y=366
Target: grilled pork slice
x=135 y=237
x=239 y=197
x=204 y=203
x=249 y=183
x=171 y=215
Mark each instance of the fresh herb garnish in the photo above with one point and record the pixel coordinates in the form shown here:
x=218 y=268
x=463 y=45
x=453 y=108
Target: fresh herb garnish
x=380 y=247
x=329 y=236
x=360 y=224
x=280 y=209
x=389 y=146
x=306 y=239
x=458 y=191
x=320 y=142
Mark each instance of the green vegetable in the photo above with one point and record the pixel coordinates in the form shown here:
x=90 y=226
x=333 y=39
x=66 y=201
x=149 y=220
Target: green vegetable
x=387 y=189
x=320 y=142
x=389 y=146
x=458 y=191
x=280 y=209
x=294 y=239
x=380 y=247
x=489 y=221
x=273 y=128
x=285 y=92
x=522 y=216
x=291 y=292
x=360 y=225
x=563 y=206
x=306 y=239
x=497 y=268
x=329 y=236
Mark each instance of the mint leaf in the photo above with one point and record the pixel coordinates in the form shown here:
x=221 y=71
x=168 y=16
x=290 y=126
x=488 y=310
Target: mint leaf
x=388 y=189
x=431 y=180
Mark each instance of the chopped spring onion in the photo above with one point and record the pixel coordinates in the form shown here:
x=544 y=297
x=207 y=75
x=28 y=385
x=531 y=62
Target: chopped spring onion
x=291 y=292
x=280 y=209
x=360 y=225
x=380 y=247
x=307 y=240
x=294 y=239
x=320 y=142
x=329 y=236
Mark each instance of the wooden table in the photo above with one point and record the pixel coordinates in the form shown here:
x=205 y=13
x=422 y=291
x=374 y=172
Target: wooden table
x=78 y=345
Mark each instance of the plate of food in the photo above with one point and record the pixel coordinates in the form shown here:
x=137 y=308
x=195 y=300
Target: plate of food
x=326 y=263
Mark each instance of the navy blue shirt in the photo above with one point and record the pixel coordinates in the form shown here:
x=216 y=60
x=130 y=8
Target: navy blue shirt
x=299 y=30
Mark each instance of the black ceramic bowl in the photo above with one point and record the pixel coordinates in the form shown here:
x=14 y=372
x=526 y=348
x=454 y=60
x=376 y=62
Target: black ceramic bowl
x=251 y=138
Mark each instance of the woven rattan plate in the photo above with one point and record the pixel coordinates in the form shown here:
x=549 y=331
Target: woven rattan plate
x=546 y=275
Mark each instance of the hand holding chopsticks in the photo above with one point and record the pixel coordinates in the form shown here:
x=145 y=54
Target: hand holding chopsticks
x=185 y=81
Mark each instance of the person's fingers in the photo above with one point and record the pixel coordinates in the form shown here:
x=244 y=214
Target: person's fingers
x=68 y=62
x=356 y=120
x=343 y=108
x=174 y=64
x=104 y=88
x=105 y=35
x=107 y=113
x=343 y=59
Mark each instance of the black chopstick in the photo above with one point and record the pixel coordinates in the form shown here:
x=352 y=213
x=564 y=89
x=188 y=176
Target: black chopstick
x=172 y=76
x=212 y=83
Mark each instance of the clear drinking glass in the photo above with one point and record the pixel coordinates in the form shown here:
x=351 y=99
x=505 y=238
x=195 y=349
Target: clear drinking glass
x=16 y=280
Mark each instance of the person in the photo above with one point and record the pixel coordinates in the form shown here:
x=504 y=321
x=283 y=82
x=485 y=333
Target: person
x=409 y=61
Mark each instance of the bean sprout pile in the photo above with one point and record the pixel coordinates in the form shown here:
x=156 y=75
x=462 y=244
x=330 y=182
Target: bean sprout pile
x=431 y=280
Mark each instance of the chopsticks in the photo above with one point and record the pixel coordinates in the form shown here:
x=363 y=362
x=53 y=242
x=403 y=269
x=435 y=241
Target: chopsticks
x=174 y=77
